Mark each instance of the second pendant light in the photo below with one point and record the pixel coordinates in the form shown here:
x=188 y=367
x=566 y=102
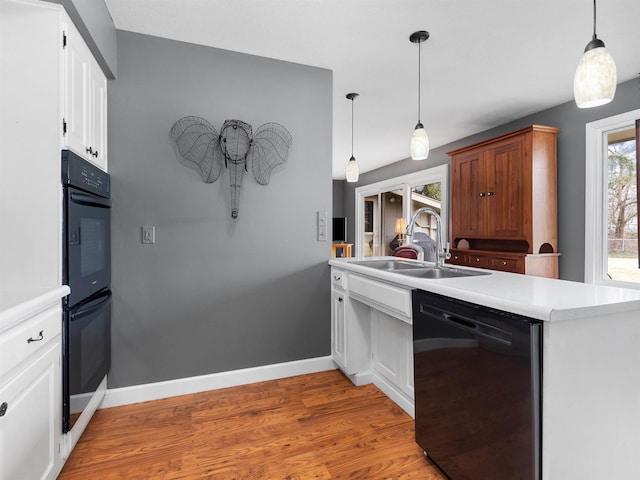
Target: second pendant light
x=419 y=146
x=353 y=171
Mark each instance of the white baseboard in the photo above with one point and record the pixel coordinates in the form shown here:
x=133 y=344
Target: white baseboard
x=183 y=386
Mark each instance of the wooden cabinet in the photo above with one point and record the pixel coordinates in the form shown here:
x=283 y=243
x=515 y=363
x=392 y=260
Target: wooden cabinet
x=85 y=100
x=31 y=398
x=504 y=203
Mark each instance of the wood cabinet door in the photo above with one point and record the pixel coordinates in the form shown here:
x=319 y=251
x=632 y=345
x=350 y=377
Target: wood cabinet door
x=468 y=205
x=504 y=195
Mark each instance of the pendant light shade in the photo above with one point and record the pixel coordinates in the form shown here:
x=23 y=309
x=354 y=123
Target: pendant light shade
x=419 y=146
x=353 y=171
x=419 y=143
x=595 y=80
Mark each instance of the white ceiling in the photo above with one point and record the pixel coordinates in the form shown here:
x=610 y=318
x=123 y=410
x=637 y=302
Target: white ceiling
x=487 y=61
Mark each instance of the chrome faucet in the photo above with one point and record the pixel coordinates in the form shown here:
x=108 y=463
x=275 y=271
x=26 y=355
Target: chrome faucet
x=441 y=253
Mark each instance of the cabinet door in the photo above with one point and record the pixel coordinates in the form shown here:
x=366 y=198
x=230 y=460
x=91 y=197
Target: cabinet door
x=468 y=214
x=406 y=333
x=85 y=102
x=387 y=348
x=77 y=92
x=30 y=425
x=505 y=171
x=98 y=119
x=338 y=328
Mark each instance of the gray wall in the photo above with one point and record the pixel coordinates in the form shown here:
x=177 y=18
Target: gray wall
x=212 y=294
x=93 y=21
x=571 y=168
x=338 y=198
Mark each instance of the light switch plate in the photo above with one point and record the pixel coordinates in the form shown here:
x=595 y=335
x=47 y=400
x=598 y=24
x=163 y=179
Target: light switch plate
x=322 y=219
x=148 y=234
x=322 y=234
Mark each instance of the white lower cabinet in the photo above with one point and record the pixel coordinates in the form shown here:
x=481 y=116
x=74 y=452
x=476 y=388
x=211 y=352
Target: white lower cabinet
x=31 y=393
x=338 y=328
x=392 y=358
x=386 y=347
x=29 y=430
x=369 y=344
x=350 y=332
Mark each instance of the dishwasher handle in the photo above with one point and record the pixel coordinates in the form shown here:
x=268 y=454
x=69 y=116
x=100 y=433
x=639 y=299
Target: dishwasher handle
x=469 y=325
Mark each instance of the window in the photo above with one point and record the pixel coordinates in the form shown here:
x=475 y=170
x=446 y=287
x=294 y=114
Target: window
x=380 y=204
x=611 y=201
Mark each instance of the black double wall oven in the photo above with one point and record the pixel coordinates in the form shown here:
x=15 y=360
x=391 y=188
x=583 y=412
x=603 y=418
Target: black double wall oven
x=87 y=271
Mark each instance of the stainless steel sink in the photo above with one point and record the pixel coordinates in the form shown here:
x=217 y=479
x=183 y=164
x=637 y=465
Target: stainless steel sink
x=391 y=265
x=442 y=273
x=417 y=269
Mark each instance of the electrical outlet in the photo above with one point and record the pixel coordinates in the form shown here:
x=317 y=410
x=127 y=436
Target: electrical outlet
x=148 y=234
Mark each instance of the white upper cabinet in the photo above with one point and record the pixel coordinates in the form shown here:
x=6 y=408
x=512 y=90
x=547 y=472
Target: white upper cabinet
x=85 y=101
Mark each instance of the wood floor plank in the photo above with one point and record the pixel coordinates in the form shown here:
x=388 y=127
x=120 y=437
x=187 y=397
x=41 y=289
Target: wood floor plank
x=317 y=426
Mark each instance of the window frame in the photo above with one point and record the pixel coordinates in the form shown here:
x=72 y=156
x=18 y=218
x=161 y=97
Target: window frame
x=596 y=200
x=438 y=173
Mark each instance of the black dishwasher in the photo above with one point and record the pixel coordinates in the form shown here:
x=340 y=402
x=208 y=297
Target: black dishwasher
x=477 y=375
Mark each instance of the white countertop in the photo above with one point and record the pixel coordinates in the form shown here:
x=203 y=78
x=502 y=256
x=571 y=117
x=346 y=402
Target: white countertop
x=18 y=304
x=536 y=297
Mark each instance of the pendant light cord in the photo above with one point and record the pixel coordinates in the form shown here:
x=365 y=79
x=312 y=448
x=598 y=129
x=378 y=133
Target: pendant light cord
x=352 y=128
x=419 y=89
x=594 y=19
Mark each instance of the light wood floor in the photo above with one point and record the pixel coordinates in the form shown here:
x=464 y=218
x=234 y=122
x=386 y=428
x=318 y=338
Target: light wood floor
x=316 y=426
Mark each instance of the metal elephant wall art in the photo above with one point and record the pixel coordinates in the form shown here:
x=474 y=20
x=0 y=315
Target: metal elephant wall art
x=205 y=150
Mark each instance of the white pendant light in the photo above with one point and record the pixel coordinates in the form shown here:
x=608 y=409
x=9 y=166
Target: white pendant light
x=353 y=171
x=419 y=146
x=595 y=81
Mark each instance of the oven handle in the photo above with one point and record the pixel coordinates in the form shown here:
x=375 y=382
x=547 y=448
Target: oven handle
x=90 y=306
x=89 y=200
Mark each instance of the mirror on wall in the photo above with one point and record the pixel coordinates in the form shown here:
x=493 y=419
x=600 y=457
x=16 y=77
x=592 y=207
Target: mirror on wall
x=381 y=207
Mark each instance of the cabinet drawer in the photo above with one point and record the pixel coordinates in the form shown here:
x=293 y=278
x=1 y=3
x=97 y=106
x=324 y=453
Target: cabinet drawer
x=505 y=264
x=380 y=295
x=481 y=261
x=458 y=259
x=338 y=278
x=21 y=341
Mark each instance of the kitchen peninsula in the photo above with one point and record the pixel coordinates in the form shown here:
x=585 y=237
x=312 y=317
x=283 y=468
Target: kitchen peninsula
x=590 y=355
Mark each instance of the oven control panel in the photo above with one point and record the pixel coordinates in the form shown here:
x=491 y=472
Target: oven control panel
x=79 y=173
